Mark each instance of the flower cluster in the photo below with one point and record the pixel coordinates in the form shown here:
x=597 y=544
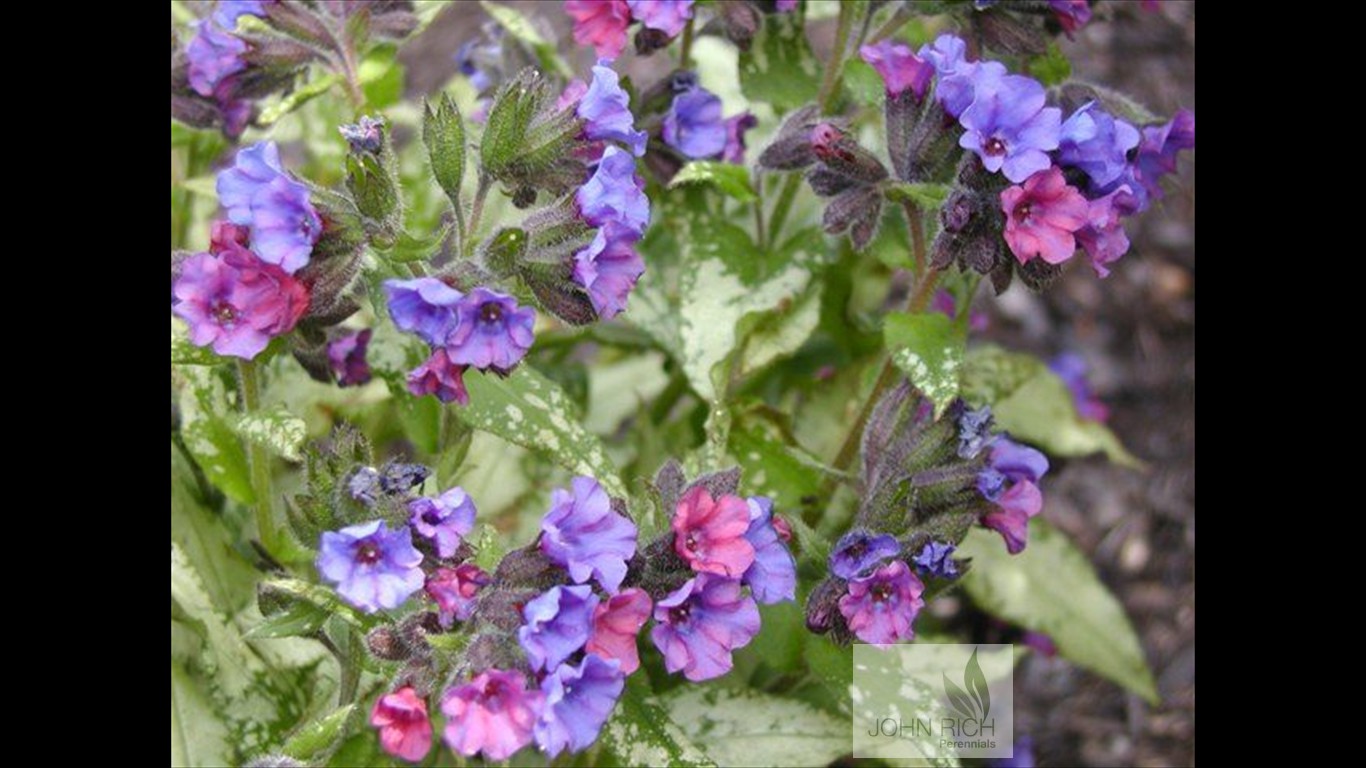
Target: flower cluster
x=554 y=629
x=603 y=24
x=243 y=292
x=216 y=62
x=1070 y=182
x=1009 y=480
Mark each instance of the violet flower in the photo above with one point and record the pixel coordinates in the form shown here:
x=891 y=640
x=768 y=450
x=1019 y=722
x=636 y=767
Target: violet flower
x=578 y=701
x=667 y=16
x=558 y=624
x=584 y=536
x=423 y=306
x=615 y=193
x=901 y=69
x=455 y=591
x=772 y=578
x=606 y=111
x=698 y=626
x=608 y=268
x=494 y=713
x=1009 y=127
x=373 y=568
x=257 y=193
x=235 y=302
x=440 y=377
x=446 y=519
x=492 y=331
x=1097 y=143
x=346 y=356
x=858 y=552
x=693 y=124
x=881 y=608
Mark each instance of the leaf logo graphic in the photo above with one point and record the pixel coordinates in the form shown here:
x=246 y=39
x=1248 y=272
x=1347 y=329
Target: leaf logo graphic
x=975 y=703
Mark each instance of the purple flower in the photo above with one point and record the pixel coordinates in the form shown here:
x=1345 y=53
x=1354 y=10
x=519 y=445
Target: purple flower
x=700 y=623
x=1072 y=369
x=945 y=304
x=584 y=536
x=365 y=136
x=773 y=576
x=578 y=702
x=1071 y=14
x=346 y=355
x=397 y=478
x=608 y=268
x=709 y=534
x=363 y=485
x=1010 y=481
x=226 y=12
x=374 y=568
x=736 y=127
x=783 y=6
x=1158 y=150
x=493 y=713
x=439 y=376
x=558 y=624
x=667 y=16
x=974 y=431
x=235 y=302
x=213 y=56
x=958 y=77
x=256 y=192
x=881 y=608
x=901 y=69
x=606 y=111
x=615 y=193
x=492 y=331
x=1016 y=461
x=446 y=519
x=1009 y=127
x=454 y=591
x=423 y=306
x=475 y=51
x=616 y=623
x=1103 y=238
x=936 y=559
x=601 y=24
x=858 y=552
x=1094 y=141
x=693 y=124
x=1042 y=217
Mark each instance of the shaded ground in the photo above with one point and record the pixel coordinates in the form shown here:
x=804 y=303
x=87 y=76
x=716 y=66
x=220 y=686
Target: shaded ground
x=1137 y=329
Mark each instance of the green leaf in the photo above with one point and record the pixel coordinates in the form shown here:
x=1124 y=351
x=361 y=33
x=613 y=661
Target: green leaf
x=928 y=348
x=1035 y=406
x=185 y=353
x=208 y=437
x=863 y=83
x=198 y=737
x=1052 y=67
x=731 y=179
x=833 y=666
x=320 y=597
x=928 y=196
x=529 y=410
x=443 y=132
x=316 y=737
x=641 y=733
x=523 y=29
x=204 y=537
x=407 y=248
x=772 y=468
x=300 y=619
x=381 y=77
x=747 y=728
x=775 y=335
x=779 y=67
x=278 y=430
x=1051 y=588
x=296 y=98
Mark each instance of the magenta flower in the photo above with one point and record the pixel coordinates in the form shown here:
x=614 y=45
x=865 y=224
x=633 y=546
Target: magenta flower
x=1010 y=480
x=772 y=578
x=606 y=110
x=881 y=608
x=224 y=235
x=736 y=127
x=784 y=6
x=1103 y=238
x=710 y=533
x=235 y=302
x=405 y=731
x=1009 y=127
x=901 y=69
x=1158 y=150
x=608 y=268
x=616 y=623
x=584 y=536
x=694 y=126
x=1072 y=369
x=558 y=624
x=601 y=24
x=859 y=552
x=439 y=376
x=492 y=331
x=257 y=193
x=213 y=54
x=374 y=568
x=346 y=355
x=494 y=713
x=615 y=193
x=423 y=306
x=1014 y=508
x=454 y=590
x=1042 y=217
x=446 y=519
x=1097 y=143
x=1071 y=14
x=667 y=16
x=578 y=701
x=700 y=623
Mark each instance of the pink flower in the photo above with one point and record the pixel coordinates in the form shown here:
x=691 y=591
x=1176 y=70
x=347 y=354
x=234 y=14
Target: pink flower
x=1042 y=217
x=601 y=24
x=881 y=608
x=439 y=376
x=1020 y=502
x=235 y=302
x=454 y=591
x=900 y=67
x=616 y=623
x=1103 y=238
x=404 y=729
x=710 y=535
x=493 y=713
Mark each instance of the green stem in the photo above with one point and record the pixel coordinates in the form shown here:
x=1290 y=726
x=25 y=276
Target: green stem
x=350 y=664
x=783 y=207
x=835 y=68
x=476 y=213
x=898 y=20
x=685 y=48
x=260 y=460
x=915 y=221
x=760 y=234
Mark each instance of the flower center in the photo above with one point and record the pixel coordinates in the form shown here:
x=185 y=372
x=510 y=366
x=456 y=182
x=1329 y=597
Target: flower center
x=490 y=312
x=1022 y=211
x=367 y=553
x=994 y=147
x=691 y=543
x=681 y=614
x=431 y=517
x=224 y=313
x=492 y=690
x=881 y=593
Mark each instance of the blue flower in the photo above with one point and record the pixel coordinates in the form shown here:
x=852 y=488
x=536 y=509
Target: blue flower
x=936 y=559
x=615 y=193
x=558 y=624
x=858 y=552
x=606 y=111
x=772 y=578
x=1009 y=127
x=374 y=568
x=694 y=125
x=423 y=306
x=492 y=331
x=1094 y=141
x=258 y=194
x=578 y=701
x=584 y=536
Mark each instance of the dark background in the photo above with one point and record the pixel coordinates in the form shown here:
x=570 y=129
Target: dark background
x=1137 y=330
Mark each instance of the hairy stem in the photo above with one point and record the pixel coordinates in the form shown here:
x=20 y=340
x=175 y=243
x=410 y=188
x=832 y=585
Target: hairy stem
x=760 y=234
x=476 y=213
x=685 y=48
x=835 y=68
x=783 y=207
x=249 y=381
